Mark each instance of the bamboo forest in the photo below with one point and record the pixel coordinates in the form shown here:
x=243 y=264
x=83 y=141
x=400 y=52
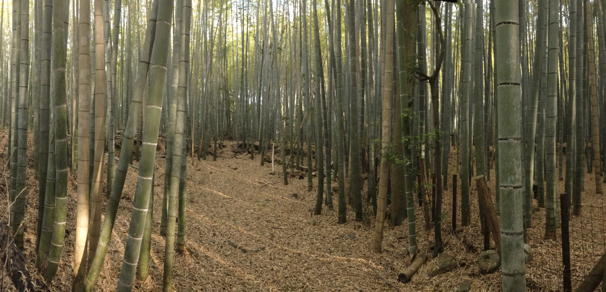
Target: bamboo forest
x=302 y=145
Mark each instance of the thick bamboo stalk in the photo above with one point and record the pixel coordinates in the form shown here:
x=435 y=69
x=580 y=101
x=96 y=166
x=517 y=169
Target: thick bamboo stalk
x=151 y=129
x=509 y=144
x=83 y=174
x=387 y=90
x=20 y=199
x=100 y=129
x=407 y=30
x=59 y=43
x=551 y=116
x=125 y=154
x=177 y=101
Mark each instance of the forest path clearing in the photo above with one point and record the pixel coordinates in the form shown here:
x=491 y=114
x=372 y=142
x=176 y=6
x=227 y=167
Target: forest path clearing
x=242 y=218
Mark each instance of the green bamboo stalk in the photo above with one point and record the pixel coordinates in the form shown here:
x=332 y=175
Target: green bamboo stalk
x=579 y=137
x=479 y=137
x=36 y=90
x=447 y=93
x=59 y=43
x=20 y=199
x=100 y=129
x=173 y=91
x=181 y=218
x=355 y=187
x=144 y=254
x=509 y=144
x=125 y=154
x=319 y=123
x=467 y=82
x=570 y=107
x=183 y=92
x=388 y=24
x=407 y=31
x=150 y=137
x=551 y=112
x=595 y=105
x=177 y=101
x=336 y=48
x=49 y=206
x=83 y=175
x=44 y=103
x=14 y=97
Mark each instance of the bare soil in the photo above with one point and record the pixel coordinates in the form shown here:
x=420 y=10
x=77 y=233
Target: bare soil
x=246 y=231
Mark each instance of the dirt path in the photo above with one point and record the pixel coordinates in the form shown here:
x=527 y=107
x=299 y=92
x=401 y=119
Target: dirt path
x=247 y=231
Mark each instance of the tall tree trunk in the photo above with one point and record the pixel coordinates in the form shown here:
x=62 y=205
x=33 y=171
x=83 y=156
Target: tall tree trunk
x=579 y=136
x=595 y=105
x=46 y=209
x=570 y=108
x=20 y=199
x=509 y=145
x=386 y=92
x=83 y=175
x=59 y=52
x=467 y=84
x=14 y=97
x=320 y=111
x=355 y=180
x=178 y=98
x=551 y=117
x=407 y=33
x=447 y=95
x=172 y=114
x=184 y=92
x=100 y=135
x=336 y=36
x=479 y=136
x=35 y=107
x=437 y=163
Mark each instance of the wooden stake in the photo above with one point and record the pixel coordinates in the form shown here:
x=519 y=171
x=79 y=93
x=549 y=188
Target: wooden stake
x=565 y=212
x=454 y=203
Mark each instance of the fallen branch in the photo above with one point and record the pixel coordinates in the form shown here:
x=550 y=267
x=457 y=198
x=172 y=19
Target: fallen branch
x=406 y=276
x=593 y=279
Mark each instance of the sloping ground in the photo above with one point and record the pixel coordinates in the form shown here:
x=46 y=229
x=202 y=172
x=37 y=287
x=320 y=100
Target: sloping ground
x=246 y=231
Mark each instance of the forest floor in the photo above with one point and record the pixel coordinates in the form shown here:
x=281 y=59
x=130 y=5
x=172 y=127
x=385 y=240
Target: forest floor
x=246 y=231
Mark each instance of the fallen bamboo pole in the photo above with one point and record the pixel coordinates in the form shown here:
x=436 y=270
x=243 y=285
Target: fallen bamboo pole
x=593 y=279
x=406 y=276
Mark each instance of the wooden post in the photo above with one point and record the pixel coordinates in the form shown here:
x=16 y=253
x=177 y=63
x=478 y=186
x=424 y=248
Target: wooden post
x=565 y=212
x=454 y=203
x=273 y=151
